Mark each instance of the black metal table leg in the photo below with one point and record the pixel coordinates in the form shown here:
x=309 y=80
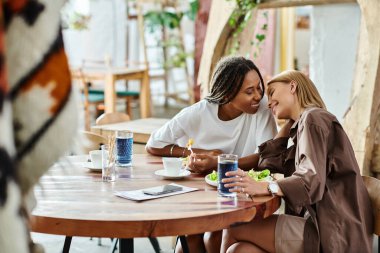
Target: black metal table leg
x=155 y=244
x=126 y=245
x=66 y=245
x=114 y=245
x=185 y=247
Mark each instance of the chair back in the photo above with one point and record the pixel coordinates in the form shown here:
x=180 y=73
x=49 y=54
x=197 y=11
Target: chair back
x=111 y=117
x=373 y=186
x=88 y=141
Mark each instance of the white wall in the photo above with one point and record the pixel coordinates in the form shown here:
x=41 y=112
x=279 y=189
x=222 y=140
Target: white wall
x=334 y=40
x=302 y=47
x=105 y=36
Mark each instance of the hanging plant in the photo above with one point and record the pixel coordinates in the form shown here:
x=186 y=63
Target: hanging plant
x=259 y=39
x=192 y=12
x=240 y=16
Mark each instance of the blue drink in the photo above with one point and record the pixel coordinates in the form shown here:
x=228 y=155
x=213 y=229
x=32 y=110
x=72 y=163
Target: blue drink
x=226 y=163
x=124 y=145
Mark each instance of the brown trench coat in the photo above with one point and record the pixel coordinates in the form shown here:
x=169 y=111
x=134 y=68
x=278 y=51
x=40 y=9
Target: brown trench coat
x=322 y=177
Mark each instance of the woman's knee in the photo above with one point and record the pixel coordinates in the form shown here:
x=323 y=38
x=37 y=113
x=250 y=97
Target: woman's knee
x=243 y=247
x=234 y=248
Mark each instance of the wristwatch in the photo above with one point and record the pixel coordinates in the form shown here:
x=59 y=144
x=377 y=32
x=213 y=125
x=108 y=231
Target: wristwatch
x=273 y=187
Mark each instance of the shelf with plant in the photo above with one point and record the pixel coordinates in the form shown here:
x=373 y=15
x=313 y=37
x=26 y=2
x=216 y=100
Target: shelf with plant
x=170 y=19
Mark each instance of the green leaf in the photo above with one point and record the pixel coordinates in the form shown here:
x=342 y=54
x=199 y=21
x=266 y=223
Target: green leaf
x=260 y=37
x=170 y=19
x=192 y=12
x=232 y=22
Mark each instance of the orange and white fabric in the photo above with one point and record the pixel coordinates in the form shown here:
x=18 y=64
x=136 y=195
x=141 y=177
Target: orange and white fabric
x=37 y=111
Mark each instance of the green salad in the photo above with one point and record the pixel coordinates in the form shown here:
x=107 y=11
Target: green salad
x=257 y=175
x=213 y=176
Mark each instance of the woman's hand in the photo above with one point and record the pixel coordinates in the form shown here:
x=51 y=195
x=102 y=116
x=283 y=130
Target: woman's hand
x=285 y=130
x=203 y=163
x=239 y=181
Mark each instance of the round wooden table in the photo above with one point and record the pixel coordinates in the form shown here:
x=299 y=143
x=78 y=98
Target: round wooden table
x=73 y=201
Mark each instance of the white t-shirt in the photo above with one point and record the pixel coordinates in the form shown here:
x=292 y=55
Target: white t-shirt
x=240 y=136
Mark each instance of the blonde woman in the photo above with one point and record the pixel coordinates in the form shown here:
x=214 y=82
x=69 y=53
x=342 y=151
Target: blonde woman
x=234 y=119
x=324 y=183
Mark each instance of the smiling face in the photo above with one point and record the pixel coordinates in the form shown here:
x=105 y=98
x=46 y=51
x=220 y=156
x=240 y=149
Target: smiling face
x=282 y=99
x=247 y=100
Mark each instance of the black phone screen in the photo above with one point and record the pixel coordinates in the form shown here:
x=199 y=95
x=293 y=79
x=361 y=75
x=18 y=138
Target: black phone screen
x=159 y=190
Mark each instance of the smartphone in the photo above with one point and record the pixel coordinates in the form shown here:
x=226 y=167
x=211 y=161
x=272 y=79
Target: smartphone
x=159 y=190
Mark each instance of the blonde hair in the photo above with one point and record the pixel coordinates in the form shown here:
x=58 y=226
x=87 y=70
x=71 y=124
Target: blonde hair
x=307 y=93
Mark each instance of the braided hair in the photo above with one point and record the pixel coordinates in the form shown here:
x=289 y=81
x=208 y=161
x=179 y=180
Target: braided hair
x=228 y=78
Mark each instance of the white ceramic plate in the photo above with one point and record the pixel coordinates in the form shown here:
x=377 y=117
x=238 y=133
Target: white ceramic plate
x=184 y=173
x=267 y=179
x=210 y=182
x=89 y=166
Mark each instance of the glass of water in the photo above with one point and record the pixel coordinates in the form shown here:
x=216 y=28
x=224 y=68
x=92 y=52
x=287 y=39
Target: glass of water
x=108 y=163
x=124 y=145
x=226 y=162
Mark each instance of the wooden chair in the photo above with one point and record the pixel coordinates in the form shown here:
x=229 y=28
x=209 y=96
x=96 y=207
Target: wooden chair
x=111 y=117
x=126 y=94
x=116 y=117
x=89 y=99
x=88 y=141
x=373 y=186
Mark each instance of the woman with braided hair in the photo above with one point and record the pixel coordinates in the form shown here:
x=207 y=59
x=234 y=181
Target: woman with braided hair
x=234 y=119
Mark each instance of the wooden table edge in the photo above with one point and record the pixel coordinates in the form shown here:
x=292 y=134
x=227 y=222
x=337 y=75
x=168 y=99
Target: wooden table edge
x=168 y=227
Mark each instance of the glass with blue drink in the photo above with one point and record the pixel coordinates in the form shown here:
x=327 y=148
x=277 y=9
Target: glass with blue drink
x=124 y=145
x=226 y=162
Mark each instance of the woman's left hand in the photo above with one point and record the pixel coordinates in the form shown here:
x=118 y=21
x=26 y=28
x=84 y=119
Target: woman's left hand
x=239 y=181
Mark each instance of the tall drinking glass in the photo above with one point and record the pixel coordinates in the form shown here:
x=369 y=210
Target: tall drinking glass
x=108 y=163
x=124 y=145
x=226 y=162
